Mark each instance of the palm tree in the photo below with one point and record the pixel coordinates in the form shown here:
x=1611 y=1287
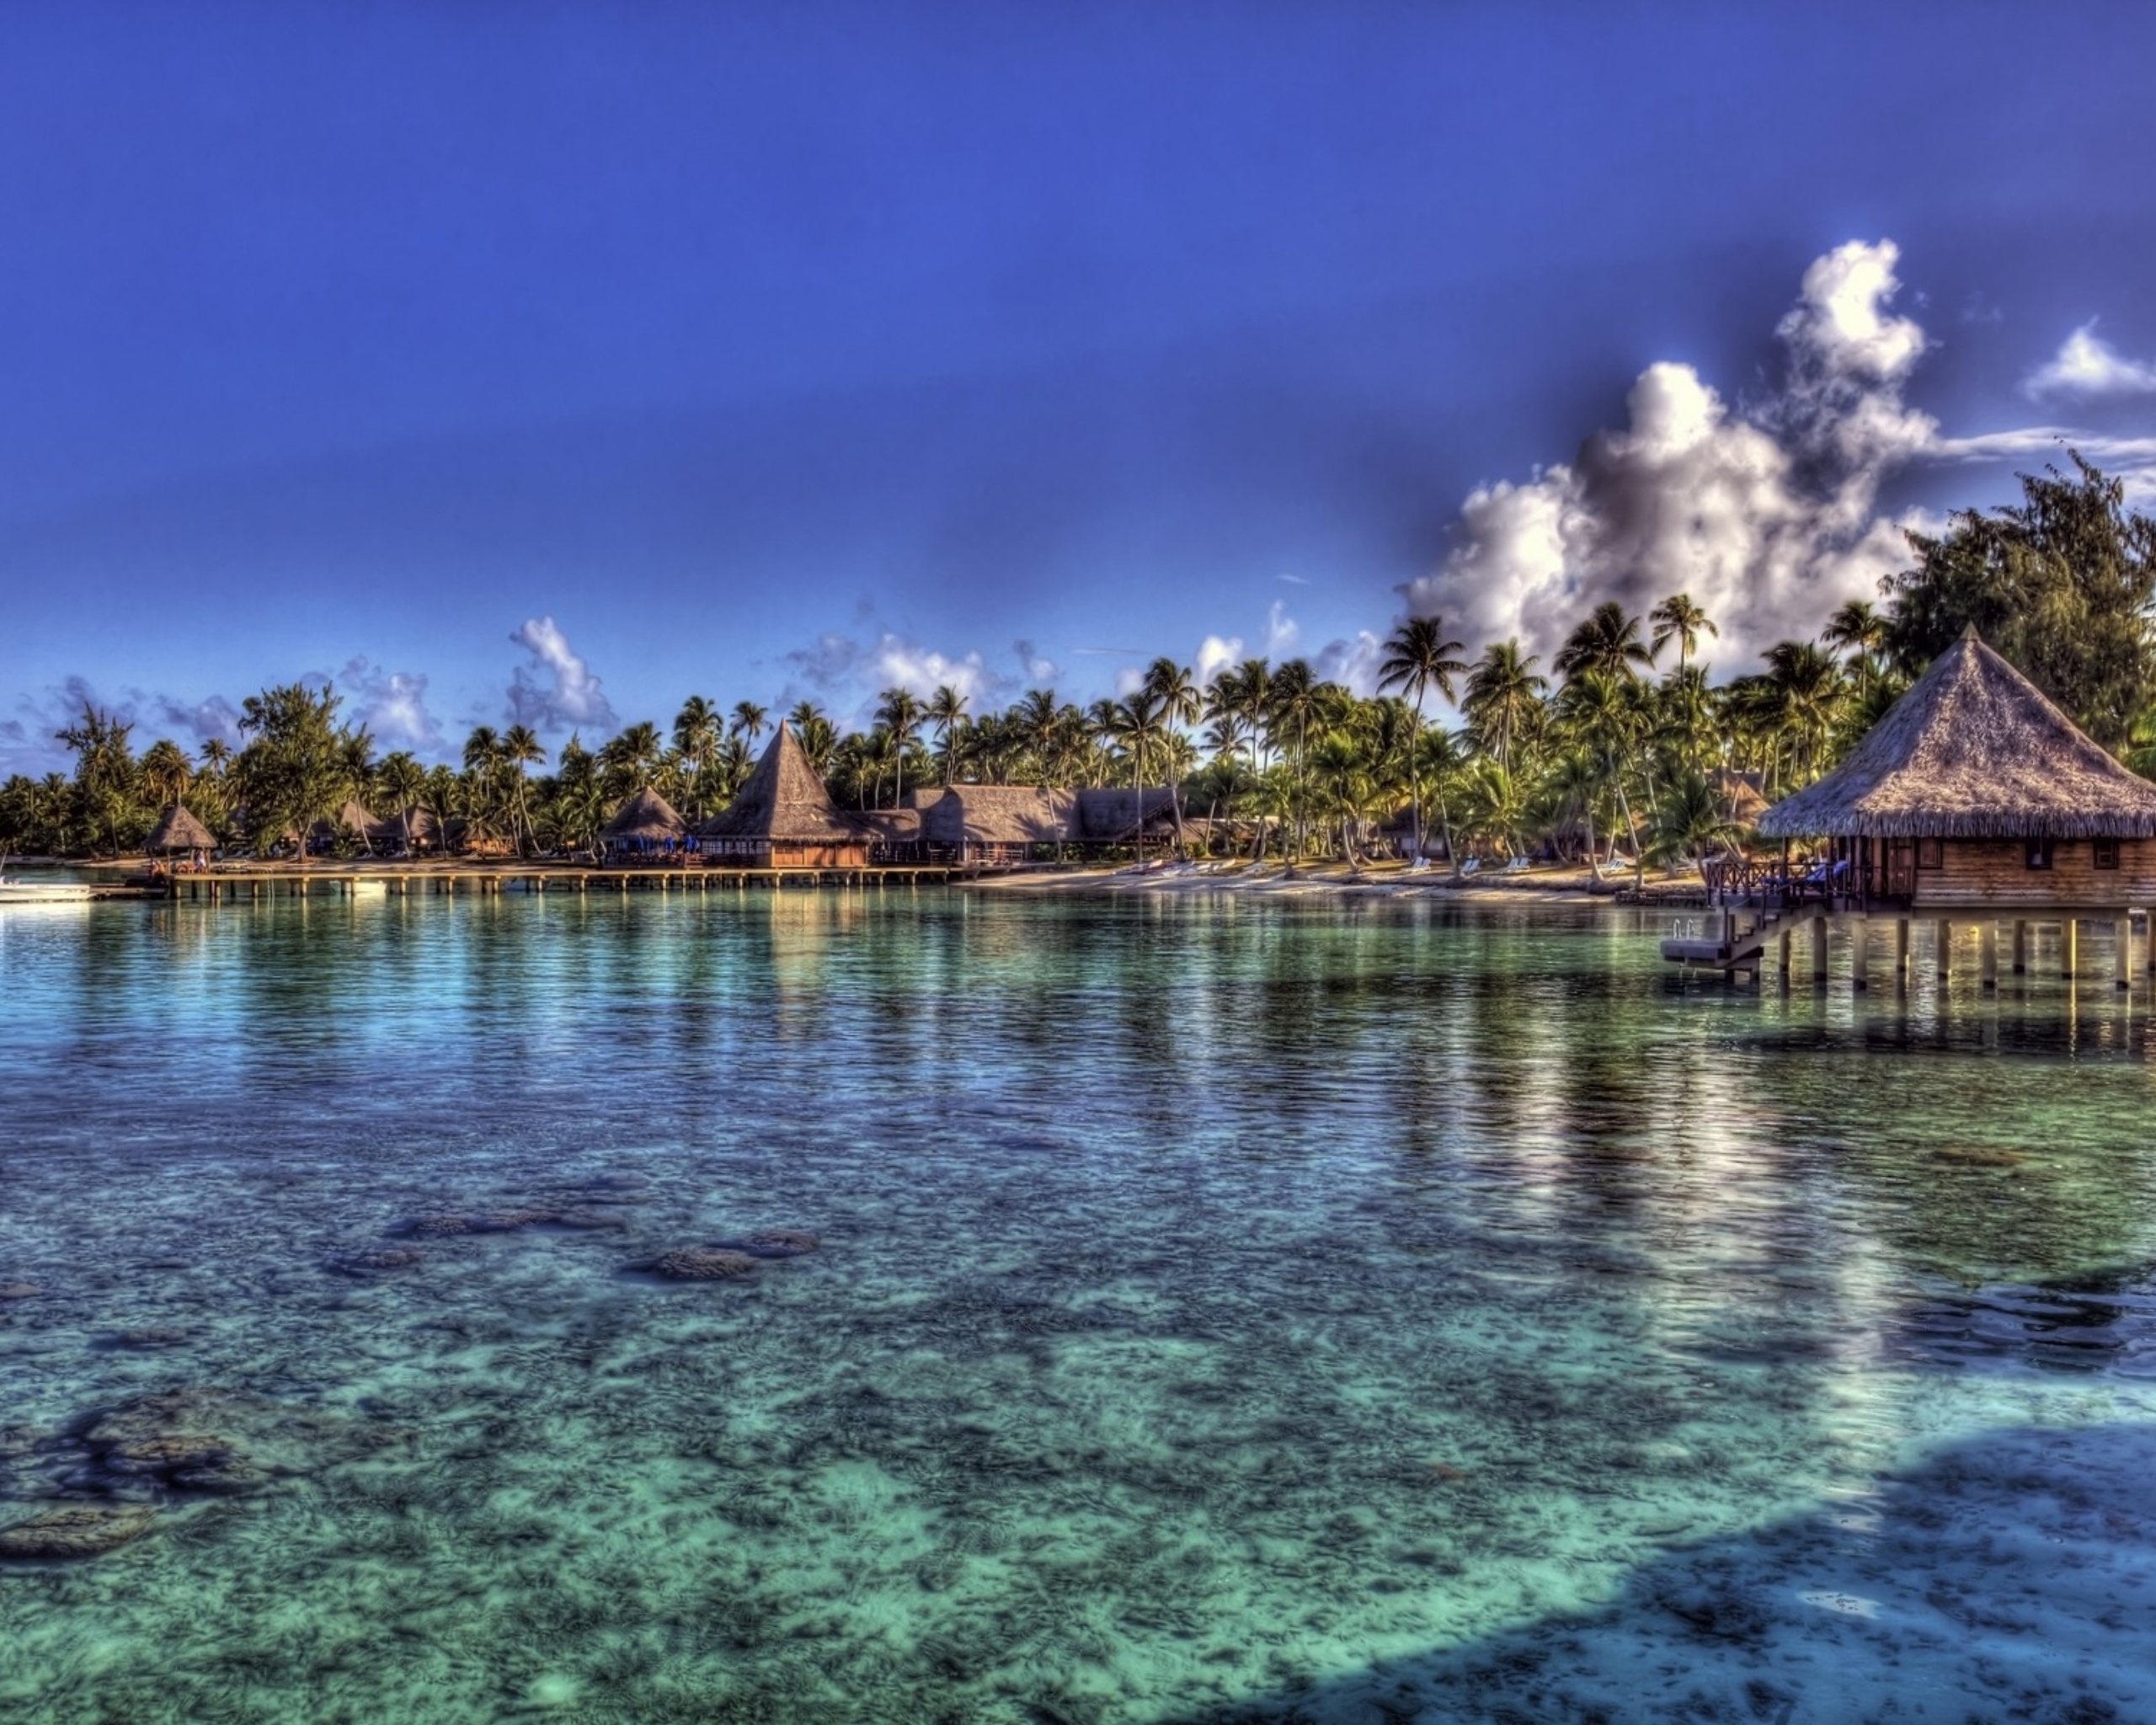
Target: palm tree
x=1608 y=641
x=1138 y=726
x=1418 y=659
x=1170 y=687
x=750 y=721
x=899 y=711
x=1806 y=692
x=632 y=756
x=1858 y=630
x=521 y=748
x=1294 y=704
x=1596 y=713
x=1504 y=694
x=946 y=708
x=165 y=772
x=1677 y=619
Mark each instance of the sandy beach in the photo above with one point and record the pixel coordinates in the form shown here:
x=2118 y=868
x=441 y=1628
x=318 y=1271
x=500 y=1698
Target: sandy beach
x=1558 y=885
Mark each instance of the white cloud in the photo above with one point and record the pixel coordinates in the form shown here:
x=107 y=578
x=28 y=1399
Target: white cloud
x=1282 y=631
x=1040 y=670
x=851 y=672
x=1354 y=662
x=392 y=706
x=557 y=689
x=1766 y=517
x=1216 y=654
x=2086 y=365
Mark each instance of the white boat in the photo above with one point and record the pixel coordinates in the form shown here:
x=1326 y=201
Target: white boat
x=27 y=892
x=21 y=892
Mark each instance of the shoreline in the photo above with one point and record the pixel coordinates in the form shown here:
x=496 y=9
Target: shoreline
x=1563 y=886
x=1567 y=885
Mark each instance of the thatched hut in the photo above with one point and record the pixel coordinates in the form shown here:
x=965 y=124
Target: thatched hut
x=1975 y=790
x=644 y=822
x=354 y=818
x=996 y=823
x=177 y=830
x=411 y=831
x=784 y=818
x=1119 y=816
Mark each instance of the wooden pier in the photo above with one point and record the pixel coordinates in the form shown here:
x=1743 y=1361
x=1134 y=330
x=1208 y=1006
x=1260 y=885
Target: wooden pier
x=1735 y=942
x=223 y=885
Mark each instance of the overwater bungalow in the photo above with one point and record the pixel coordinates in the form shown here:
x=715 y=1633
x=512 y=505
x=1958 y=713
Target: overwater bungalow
x=645 y=823
x=1973 y=800
x=784 y=818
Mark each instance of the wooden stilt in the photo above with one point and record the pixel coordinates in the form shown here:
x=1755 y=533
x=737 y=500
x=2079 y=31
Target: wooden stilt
x=1988 y=939
x=2124 y=925
x=1781 y=956
x=1859 y=953
x=2021 y=948
x=1943 y=947
x=2070 y=946
x=1818 y=951
x=1900 y=952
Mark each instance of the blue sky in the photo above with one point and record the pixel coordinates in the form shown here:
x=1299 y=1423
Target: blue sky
x=560 y=362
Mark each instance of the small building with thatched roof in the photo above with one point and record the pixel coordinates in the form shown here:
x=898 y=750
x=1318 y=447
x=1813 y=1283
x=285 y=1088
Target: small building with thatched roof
x=996 y=823
x=1975 y=790
x=177 y=830
x=784 y=818
x=354 y=818
x=645 y=821
x=411 y=831
x=1974 y=799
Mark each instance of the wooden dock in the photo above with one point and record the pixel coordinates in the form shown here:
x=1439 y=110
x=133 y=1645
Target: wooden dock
x=222 y=885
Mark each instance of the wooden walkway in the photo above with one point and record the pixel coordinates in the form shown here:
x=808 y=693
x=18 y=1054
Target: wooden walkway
x=222 y=885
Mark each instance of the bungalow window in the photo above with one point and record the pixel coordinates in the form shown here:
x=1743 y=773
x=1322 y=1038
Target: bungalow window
x=2039 y=853
x=2107 y=853
x=1931 y=853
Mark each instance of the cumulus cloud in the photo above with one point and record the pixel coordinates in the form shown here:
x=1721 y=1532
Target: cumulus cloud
x=1216 y=654
x=2086 y=365
x=212 y=720
x=1766 y=514
x=557 y=689
x=392 y=705
x=851 y=672
x=1040 y=670
x=1354 y=661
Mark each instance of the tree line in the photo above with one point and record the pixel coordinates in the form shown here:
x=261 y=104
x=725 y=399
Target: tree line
x=1624 y=739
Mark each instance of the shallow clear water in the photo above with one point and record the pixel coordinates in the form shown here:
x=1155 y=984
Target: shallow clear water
x=1370 y=1311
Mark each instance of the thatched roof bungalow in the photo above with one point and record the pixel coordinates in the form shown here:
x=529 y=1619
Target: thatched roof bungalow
x=177 y=830
x=784 y=818
x=354 y=818
x=644 y=821
x=1975 y=790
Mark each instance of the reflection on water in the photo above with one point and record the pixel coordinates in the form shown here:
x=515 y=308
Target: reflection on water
x=1221 y=1310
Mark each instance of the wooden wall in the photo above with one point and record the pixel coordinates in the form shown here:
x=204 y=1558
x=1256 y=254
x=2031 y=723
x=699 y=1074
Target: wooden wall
x=797 y=854
x=1984 y=873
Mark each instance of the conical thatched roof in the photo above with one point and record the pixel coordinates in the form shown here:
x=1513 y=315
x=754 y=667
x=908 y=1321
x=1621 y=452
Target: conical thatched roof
x=178 y=831
x=646 y=815
x=785 y=799
x=353 y=817
x=1974 y=751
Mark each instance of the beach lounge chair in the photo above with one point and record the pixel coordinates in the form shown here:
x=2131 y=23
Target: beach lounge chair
x=1519 y=865
x=1471 y=865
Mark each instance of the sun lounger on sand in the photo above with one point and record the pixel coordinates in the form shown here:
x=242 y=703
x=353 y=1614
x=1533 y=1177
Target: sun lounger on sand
x=1471 y=865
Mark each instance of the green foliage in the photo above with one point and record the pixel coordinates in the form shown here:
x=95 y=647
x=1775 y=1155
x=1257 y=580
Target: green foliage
x=2061 y=584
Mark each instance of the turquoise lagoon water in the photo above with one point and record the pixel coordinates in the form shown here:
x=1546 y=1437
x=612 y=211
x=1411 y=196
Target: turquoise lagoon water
x=1224 y=1311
